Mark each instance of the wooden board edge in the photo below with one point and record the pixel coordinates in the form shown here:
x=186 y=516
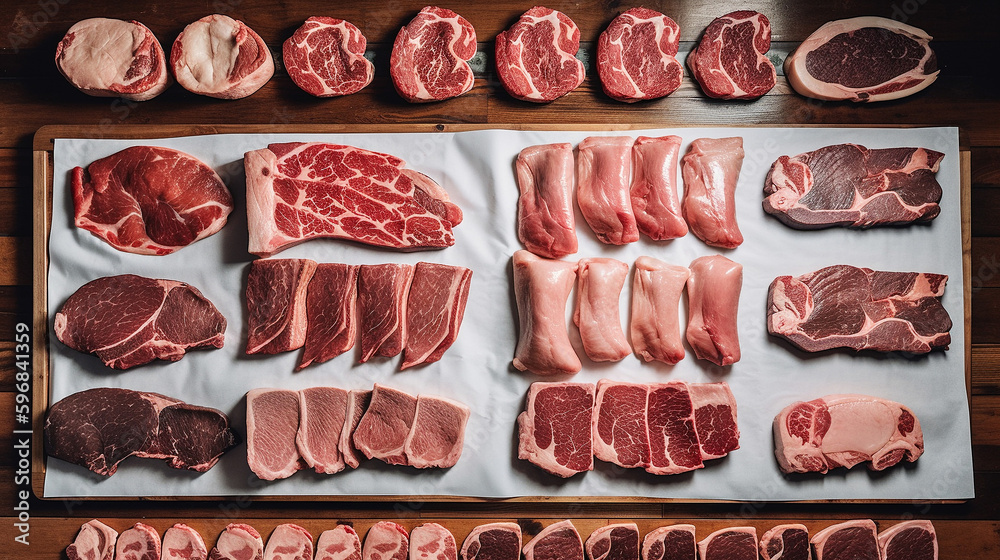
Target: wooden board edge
x=965 y=162
x=42 y=189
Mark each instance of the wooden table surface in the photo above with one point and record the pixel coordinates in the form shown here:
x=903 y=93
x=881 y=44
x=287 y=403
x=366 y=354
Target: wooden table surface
x=33 y=94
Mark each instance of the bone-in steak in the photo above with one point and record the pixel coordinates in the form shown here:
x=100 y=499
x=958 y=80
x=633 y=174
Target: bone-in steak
x=635 y=56
x=430 y=54
x=326 y=57
x=536 y=57
x=731 y=60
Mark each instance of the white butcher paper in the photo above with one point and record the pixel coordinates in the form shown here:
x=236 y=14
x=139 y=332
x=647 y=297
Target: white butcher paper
x=476 y=168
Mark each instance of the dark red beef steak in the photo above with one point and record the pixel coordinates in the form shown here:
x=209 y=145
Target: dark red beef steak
x=673 y=542
x=850 y=540
x=493 y=541
x=673 y=440
x=635 y=56
x=326 y=57
x=556 y=428
x=730 y=61
x=276 y=304
x=619 y=541
x=559 y=541
x=429 y=60
x=536 y=57
x=910 y=540
x=785 y=542
x=331 y=303
x=734 y=543
x=621 y=435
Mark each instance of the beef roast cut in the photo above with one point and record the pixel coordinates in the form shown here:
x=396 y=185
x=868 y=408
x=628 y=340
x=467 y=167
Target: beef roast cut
x=635 y=56
x=429 y=60
x=221 y=57
x=536 y=57
x=326 y=57
x=730 y=61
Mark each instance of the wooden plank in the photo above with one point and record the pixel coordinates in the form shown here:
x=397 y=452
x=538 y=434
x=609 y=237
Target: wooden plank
x=985 y=262
x=986 y=166
x=15 y=259
x=966 y=230
x=986 y=316
x=15 y=212
x=986 y=369
x=985 y=208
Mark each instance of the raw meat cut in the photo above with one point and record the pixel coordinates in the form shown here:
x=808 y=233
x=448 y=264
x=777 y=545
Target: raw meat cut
x=221 y=57
x=299 y=191
x=276 y=304
x=339 y=543
x=546 y=223
x=431 y=541
x=382 y=293
x=734 y=543
x=331 y=305
x=557 y=541
x=131 y=320
x=619 y=541
x=655 y=328
x=357 y=403
x=598 y=292
x=322 y=412
x=850 y=185
x=238 y=541
x=842 y=306
x=99 y=428
x=730 y=61
x=621 y=435
x=140 y=542
x=785 y=542
x=635 y=56
x=713 y=301
x=844 y=430
x=541 y=288
x=435 y=307
x=272 y=423
x=437 y=435
x=113 y=58
x=711 y=170
x=326 y=57
x=536 y=57
x=555 y=431
x=181 y=542
x=715 y=419
x=150 y=200
x=604 y=166
x=673 y=440
x=909 y=540
x=654 y=188
x=493 y=541
x=850 y=540
x=862 y=59
x=429 y=60
x=386 y=541
x=95 y=541
x=385 y=426
x=289 y=542
x=673 y=542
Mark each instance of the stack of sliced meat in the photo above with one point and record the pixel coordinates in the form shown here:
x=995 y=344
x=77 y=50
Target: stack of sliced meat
x=665 y=428
x=297 y=303
x=325 y=428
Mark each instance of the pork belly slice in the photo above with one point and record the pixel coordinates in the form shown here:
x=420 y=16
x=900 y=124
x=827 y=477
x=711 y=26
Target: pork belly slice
x=238 y=541
x=382 y=292
x=438 y=433
x=435 y=307
x=95 y=541
x=221 y=57
x=619 y=541
x=715 y=419
x=604 y=166
x=655 y=328
x=599 y=289
x=383 y=430
x=139 y=542
x=493 y=541
x=713 y=302
x=546 y=221
x=331 y=306
x=182 y=542
x=910 y=540
x=559 y=540
x=621 y=434
x=339 y=543
x=673 y=439
x=850 y=540
x=555 y=430
x=673 y=542
x=322 y=412
x=272 y=424
x=276 y=304
x=357 y=403
x=386 y=541
x=734 y=543
x=785 y=542
x=654 y=187
x=289 y=542
x=431 y=541
x=711 y=170
x=541 y=287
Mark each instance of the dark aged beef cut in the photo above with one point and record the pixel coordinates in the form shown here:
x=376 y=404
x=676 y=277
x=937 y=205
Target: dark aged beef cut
x=385 y=426
x=299 y=191
x=536 y=58
x=435 y=307
x=131 y=320
x=556 y=428
x=272 y=424
x=357 y=403
x=326 y=57
x=437 y=435
x=673 y=542
x=730 y=61
x=322 y=413
x=619 y=541
x=382 y=294
x=850 y=540
x=95 y=541
x=910 y=540
x=635 y=56
x=150 y=200
x=139 y=542
x=238 y=541
x=432 y=541
x=862 y=59
x=493 y=541
x=289 y=542
x=851 y=185
x=386 y=541
x=546 y=221
x=99 y=428
x=339 y=543
x=621 y=435
x=715 y=419
x=276 y=304
x=734 y=543
x=221 y=57
x=181 y=542
x=331 y=303
x=844 y=430
x=842 y=306
x=111 y=58
x=785 y=542
x=673 y=440
x=559 y=541
x=429 y=60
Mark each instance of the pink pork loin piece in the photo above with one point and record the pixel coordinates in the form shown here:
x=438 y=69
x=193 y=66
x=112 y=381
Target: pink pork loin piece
x=221 y=57
x=322 y=412
x=435 y=307
x=635 y=56
x=734 y=543
x=673 y=439
x=272 y=424
x=357 y=403
x=559 y=540
x=386 y=424
x=289 y=542
x=238 y=541
x=493 y=541
x=139 y=542
x=113 y=58
x=654 y=188
x=844 y=430
x=713 y=302
x=730 y=61
x=95 y=541
x=429 y=60
x=909 y=540
x=331 y=306
x=850 y=540
x=599 y=288
x=546 y=221
x=326 y=57
x=555 y=431
x=298 y=191
x=715 y=419
x=711 y=170
x=673 y=542
x=604 y=165
x=621 y=434
x=785 y=542
x=431 y=541
x=437 y=436
x=339 y=543
x=655 y=328
x=541 y=288
x=619 y=541
x=182 y=542
x=536 y=57
x=382 y=293
x=386 y=541
x=276 y=304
